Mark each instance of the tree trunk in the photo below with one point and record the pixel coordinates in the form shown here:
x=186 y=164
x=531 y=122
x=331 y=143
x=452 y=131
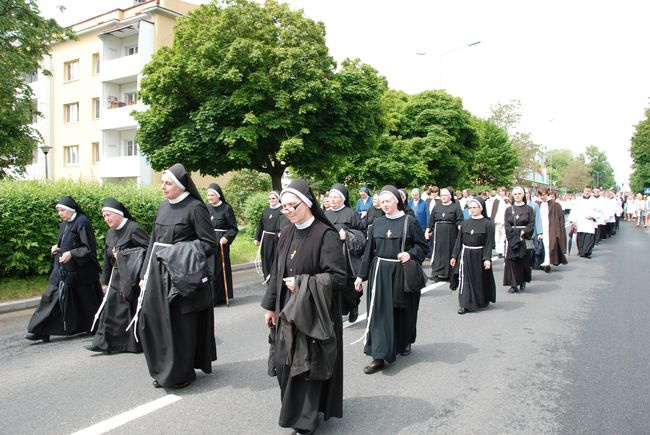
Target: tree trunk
x=276 y=178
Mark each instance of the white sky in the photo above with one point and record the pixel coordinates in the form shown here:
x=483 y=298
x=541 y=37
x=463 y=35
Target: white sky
x=580 y=68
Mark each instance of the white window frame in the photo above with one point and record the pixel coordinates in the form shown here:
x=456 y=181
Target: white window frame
x=71 y=155
x=95 y=108
x=129 y=148
x=71 y=70
x=130 y=98
x=130 y=50
x=71 y=113
x=96 y=64
x=35 y=109
x=96 y=153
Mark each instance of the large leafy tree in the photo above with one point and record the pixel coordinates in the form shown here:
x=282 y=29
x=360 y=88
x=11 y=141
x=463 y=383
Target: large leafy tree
x=640 y=150
x=252 y=86
x=25 y=39
x=495 y=159
x=576 y=175
x=557 y=161
x=601 y=171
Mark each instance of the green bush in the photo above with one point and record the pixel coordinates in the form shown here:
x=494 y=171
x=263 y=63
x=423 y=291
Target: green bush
x=241 y=186
x=253 y=208
x=29 y=223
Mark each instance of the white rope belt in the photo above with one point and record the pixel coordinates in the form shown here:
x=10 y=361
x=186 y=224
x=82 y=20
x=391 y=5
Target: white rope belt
x=461 y=267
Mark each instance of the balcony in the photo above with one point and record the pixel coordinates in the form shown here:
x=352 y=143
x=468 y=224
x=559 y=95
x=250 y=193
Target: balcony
x=120 y=167
x=121 y=70
x=117 y=116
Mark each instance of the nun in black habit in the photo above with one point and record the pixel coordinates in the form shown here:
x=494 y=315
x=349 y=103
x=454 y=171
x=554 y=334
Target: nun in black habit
x=344 y=219
x=472 y=255
x=74 y=293
x=303 y=295
x=177 y=335
x=444 y=222
x=126 y=245
x=271 y=223
x=392 y=312
x=224 y=223
x=520 y=226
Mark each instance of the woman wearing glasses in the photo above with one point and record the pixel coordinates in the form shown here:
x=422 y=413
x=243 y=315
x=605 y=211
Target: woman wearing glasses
x=520 y=225
x=303 y=308
x=473 y=255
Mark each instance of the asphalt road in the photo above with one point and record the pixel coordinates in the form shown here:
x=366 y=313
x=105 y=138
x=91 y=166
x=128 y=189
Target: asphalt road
x=569 y=355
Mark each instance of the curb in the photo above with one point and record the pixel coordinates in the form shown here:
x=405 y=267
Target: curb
x=25 y=304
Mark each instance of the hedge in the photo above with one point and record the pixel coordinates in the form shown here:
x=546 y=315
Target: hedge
x=29 y=223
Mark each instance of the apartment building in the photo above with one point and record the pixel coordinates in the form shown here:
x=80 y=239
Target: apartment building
x=86 y=103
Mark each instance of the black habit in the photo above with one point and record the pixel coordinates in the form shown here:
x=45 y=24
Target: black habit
x=308 y=252
x=224 y=224
x=119 y=303
x=443 y=225
x=474 y=244
x=271 y=223
x=74 y=293
x=392 y=318
x=518 y=218
x=177 y=336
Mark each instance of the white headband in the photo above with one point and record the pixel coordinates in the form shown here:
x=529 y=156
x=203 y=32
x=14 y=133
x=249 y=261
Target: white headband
x=337 y=192
x=299 y=194
x=476 y=201
x=176 y=182
x=390 y=193
x=518 y=189
x=64 y=207
x=113 y=210
x=215 y=192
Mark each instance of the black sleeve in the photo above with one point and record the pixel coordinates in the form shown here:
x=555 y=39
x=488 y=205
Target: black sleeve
x=419 y=248
x=508 y=222
x=152 y=240
x=530 y=226
x=107 y=268
x=459 y=215
x=232 y=230
x=203 y=229
x=259 y=229
x=87 y=243
x=431 y=223
x=367 y=257
x=331 y=260
x=459 y=241
x=489 y=242
x=139 y=237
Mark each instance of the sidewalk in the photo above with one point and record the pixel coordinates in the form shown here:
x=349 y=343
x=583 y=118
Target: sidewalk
x=26 y=304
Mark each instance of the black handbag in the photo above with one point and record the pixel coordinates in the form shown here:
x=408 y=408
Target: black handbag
x=414 y=277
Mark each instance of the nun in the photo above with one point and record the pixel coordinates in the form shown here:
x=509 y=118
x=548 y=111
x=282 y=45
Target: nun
x=520 y=225
x=268 y=231
x=392 y=313
x=74 y=293
x=473 y=255
x=344 y=220
x=177 y=335
x=442 y=229
x=225 y=228
x=302 y=304
x=126 y=245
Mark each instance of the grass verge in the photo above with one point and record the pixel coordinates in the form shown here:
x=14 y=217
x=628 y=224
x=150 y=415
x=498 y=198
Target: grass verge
x=21 y=288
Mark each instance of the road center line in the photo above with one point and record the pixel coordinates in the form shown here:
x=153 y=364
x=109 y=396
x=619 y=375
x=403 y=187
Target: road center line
x=125 y=417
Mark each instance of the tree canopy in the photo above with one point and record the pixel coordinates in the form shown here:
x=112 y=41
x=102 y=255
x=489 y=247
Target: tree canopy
x=25 y=39
x=640 y=151
x=253 y=86
x=495 y=159
x=602 y=173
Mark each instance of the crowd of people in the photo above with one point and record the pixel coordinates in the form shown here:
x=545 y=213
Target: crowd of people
x=156 y=293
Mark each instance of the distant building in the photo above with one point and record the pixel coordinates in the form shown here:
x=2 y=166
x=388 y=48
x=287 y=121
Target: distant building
x=86 y=103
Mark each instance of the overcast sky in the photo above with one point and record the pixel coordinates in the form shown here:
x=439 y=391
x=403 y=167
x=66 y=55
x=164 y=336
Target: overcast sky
x=580 y=68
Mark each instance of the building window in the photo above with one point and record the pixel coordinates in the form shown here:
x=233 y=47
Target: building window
x=130 y=50
x=95 y=63
x=71 y=113
x=130 y=148
x=31 y=78
x=95 y=150
x=95 y=106
x=71 y=70
x=71 y=155
x=34 y=111
x=130 y=98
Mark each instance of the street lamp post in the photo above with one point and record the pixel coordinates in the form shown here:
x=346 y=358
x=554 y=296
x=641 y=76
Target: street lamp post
x=598 y=177
x=423 y=53
x=46 y=149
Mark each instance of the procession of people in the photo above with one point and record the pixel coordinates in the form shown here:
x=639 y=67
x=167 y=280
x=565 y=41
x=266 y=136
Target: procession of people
x=157 y=293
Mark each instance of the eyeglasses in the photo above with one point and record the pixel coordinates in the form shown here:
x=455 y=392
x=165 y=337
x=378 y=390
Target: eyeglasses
x=289 y=208
x=473 y=207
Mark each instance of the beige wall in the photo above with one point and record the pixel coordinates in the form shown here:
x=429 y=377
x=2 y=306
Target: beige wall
x=84 y=132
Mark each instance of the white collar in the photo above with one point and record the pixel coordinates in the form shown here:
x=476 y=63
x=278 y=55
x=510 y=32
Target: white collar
x=477 y=217
x=306 y=224
x=73 y=217
x=278 y=205
x=217 y=204
x=122 y=224
x=399 y=214
x=519 y=204
x=337 y=209
x=179 y=198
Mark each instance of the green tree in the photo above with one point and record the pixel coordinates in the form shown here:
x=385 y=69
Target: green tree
x=556 y=163
x=640 y=151
x=25 y=39
x=576 y=175
x=253 y=86
x=506 y=115
x=495 y=159
x=601 y=171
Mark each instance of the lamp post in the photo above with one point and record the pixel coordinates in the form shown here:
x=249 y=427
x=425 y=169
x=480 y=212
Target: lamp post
x=423 y=53
x=598 y=177
x=46 y=149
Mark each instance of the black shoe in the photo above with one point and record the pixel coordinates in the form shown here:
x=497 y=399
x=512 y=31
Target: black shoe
x=588 y=257
x=354 y=314
x=92 y=348
x=374 y=367
x=406 y=351
x=156 y=384
x=500 y=255
x=513 y=289
x=522 y=286
x=182 y=385
x=302 y=432
x=36 y=337
x=462 y=311
x=547 y=269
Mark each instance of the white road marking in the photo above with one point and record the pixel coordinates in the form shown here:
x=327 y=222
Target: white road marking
x=125 y=417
